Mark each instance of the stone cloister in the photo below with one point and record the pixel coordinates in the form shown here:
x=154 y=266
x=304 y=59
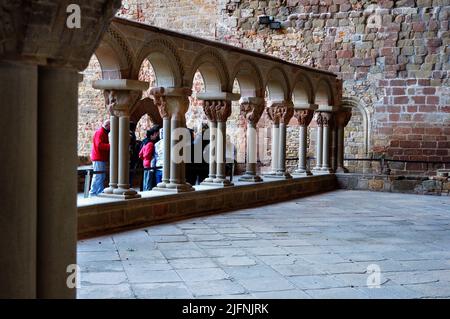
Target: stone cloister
x=274 y=223
x=40 y=65
x=293 y=91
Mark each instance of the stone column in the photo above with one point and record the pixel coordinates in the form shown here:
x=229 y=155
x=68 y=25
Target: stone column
x=327 y=118
x=159 y=100
x=304 y=117
x=209 y=109
x=19 y=179
x=217 y=107
x=319 y=142
x=280 y=114
x=275 y=148
x=38 y=132
x=121 y=95
x=173 y=104
x=342 y=119
x=252 y=109
x=286 y=117
x=113 y=150
x=57 y=153
x=223 y=111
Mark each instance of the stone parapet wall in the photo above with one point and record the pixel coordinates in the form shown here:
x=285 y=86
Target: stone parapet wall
x=394 y=184
x=105 y=218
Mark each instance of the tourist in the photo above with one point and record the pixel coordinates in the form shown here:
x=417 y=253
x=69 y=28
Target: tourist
x=146 y=154
x=99 y=157
x=134 y=152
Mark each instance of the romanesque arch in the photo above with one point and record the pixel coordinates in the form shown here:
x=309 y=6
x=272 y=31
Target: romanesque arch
x=114 y=56
x=302 y=93
x=324 y=93
x=214 y=71
x=277 y=85
x=362 y=118
x=249 y=77
x=165 y=61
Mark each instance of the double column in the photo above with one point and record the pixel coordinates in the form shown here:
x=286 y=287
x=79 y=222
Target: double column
x=341 y=119
x=280 y=113
x=304 y=117
x=217 y=107
x=252 y=109
x=173 y=104
x=323 y=146
x=120 y=96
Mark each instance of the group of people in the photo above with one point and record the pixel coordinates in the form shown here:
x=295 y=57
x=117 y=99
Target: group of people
x=146 y=155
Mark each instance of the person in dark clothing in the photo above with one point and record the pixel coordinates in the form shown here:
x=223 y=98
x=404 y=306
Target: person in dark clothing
x=154 y=128
x=152 y=137
x=134 y=152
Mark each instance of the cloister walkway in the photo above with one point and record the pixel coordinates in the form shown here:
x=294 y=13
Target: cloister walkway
x=315 y=247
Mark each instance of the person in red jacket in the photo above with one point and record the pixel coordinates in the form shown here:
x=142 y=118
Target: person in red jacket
x=99 y=157
x=146 y=155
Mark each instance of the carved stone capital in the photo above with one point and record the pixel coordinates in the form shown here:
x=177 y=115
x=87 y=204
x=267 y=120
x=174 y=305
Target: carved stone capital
x=209 y=109
x=280 y=112
x=157 y=94
x=36 y=31
x=343 y=117
x=252 y=110
x=119 y=102
x=171 y=100
x=223 y=110
x=324 y=118
x=304 y=117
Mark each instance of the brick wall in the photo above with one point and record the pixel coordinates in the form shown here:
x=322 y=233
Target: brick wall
x=392 y=55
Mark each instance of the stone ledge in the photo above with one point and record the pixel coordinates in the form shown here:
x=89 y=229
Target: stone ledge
x=422 y=185
x=103 y=218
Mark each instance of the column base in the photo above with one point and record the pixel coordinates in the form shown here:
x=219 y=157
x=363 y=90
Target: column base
x=301 y=173
x=208 y=180
x=129 y=195
x=341 y=170
x=327 y=170
x=279 y=175
x=217 y=182
x=250 y=178
x=161 y=185
x=318 y=171
x=177 y=188
x=110 y=189
x=322 y=171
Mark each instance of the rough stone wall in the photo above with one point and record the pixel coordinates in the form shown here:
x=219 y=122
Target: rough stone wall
x=392 y=55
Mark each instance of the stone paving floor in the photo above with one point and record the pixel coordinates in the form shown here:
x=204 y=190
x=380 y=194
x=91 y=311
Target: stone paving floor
x=331 y=245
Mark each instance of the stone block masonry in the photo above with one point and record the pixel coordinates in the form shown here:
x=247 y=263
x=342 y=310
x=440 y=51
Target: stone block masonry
x=392 y=55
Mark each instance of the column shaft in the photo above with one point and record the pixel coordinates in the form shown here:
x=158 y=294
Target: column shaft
x=18 y=177
x=113 y=154
x=175 y=177
x=57 y=181
x=124 y=154
x=275 y=147
x=167 y=155
x=251 y=149
x=340 y=150
x=212 y=152
x=302 y=149
x=221 y=153
x=282 y=150
x=326 y=148
x=319 y=147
